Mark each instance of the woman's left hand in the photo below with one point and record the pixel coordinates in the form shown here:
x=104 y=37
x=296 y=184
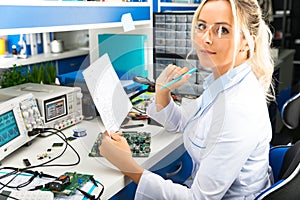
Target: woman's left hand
x=114 y=148
x=117 y=151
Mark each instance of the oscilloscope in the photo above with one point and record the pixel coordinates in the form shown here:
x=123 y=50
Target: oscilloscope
x=18 y=116
x=60 y=106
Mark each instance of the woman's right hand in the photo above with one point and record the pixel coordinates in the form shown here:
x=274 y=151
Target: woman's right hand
x=168 y=74
x=171 y=72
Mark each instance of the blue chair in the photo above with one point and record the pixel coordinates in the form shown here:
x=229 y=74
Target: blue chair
x=285 y=163
x=288 y=102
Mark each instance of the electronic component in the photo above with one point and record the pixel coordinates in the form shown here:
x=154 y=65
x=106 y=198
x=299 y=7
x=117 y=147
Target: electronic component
x=60 y=106
x=26 y=162
x=71 y=138
x=139 y=143
x=17 y=117
x=59 y=184
x=68 y=183
x=57 y=144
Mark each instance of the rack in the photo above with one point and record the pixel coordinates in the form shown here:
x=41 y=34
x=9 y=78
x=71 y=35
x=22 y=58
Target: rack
x=282 y=23
x=172 y=43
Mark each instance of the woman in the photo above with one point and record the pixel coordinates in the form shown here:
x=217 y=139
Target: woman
x=227 y=129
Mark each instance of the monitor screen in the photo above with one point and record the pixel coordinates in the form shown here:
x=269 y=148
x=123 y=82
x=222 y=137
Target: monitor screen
x=8 y=128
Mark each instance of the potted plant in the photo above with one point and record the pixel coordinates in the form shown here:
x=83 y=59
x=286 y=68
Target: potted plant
x=45 y=73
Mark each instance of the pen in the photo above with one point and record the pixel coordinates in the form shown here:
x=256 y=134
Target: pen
x=132 y=126
x=178 y=78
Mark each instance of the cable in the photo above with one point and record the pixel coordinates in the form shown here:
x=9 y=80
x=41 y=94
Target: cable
x=6 y=185
x=64 y=138
x=8 y=196
x=45 y=164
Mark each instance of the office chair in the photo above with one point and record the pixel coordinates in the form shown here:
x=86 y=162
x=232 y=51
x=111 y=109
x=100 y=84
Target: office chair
x=288 y=103
x=285 y=163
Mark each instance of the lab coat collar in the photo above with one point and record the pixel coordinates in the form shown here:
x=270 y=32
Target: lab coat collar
x=213 y=87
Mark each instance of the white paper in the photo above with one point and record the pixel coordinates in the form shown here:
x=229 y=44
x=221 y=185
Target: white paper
x=127 y=22
x=107 y=92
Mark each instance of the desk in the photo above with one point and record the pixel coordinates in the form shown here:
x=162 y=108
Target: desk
x=162 y=144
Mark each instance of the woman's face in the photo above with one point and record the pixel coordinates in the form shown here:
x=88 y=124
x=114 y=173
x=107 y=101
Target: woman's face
x=214 y=37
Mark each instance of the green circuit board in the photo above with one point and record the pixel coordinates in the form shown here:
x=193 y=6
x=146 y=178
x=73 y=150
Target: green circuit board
x=75 y=181
x=139 y=143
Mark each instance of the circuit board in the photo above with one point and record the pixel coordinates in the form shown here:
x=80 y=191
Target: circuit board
x=75 y=181
x=139 y=143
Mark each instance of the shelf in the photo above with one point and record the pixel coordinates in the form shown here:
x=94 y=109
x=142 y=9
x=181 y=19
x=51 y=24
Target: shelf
x=164 y=7
x=47 y=16
x=281 y=15
x=7 y=63
x=176 y=56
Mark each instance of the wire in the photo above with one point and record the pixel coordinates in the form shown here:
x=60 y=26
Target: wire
x=8 y=196
x=16 y=171
x=7 y=184
x=45 y=164
x=102 y=190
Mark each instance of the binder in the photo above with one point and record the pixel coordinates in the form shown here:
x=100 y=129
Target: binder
x=28 y=44
x=39 y=44
x=33 y=44
x=46 y=43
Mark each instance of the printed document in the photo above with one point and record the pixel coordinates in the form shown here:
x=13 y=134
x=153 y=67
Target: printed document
x=107 y=92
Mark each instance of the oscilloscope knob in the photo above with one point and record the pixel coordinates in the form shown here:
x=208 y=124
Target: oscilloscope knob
x=29 y=126
x=30 y=111
x=35 y=109
x=23 y=107
x=25 y=114
x=79 y=95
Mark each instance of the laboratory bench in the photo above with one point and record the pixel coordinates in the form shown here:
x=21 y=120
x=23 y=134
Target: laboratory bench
x=167 y=157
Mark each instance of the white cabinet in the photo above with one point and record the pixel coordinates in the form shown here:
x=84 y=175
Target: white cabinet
x=22 y=17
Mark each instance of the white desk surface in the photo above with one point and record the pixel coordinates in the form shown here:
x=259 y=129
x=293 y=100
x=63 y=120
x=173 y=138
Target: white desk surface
x=162 y=144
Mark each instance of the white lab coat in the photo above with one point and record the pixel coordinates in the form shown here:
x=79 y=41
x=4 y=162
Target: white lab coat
x=227 y=132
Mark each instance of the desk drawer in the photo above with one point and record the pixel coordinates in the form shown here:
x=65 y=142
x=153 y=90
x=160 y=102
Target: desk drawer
x=178 y=171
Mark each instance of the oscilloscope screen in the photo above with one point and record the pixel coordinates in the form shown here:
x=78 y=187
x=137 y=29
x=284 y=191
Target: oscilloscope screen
x=8 y=128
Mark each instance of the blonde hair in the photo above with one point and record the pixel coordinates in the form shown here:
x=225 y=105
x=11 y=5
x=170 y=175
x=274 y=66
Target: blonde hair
x=248 y=19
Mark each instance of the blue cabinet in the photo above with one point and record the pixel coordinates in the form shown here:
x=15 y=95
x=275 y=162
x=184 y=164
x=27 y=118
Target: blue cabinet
x=178 y=170
x=72 y=64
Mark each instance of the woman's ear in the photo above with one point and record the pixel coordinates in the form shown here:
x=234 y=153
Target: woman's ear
x=244 y=45
x=247 y=45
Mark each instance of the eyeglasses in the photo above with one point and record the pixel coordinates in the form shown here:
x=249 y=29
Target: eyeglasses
x=219 y=31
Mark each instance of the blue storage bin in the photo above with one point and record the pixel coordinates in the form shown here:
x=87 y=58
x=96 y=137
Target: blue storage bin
x=71 y=77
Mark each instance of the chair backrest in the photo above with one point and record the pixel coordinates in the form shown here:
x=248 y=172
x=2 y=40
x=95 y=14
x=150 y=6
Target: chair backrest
x=290 y=112
x=285 y=163
x=276 y=157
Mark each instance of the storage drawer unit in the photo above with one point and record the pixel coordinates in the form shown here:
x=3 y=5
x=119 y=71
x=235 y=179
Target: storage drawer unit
x=72 y=64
